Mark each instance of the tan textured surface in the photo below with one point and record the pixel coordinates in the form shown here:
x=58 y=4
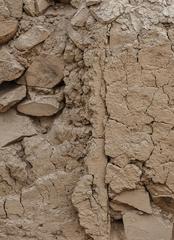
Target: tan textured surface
x=86 y=120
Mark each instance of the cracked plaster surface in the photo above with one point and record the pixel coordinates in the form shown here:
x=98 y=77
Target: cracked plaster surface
x=100 y=168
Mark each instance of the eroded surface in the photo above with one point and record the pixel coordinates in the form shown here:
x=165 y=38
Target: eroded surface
x=86 y=120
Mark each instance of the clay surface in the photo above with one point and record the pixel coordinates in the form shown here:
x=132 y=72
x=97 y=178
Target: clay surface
x=86 y=119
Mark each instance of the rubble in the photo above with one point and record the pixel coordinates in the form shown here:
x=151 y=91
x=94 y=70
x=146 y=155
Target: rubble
x=50 y=69
x=81 y=16
x=8 y=29
x=14 y=127
x=40 y=106
x=108 y=10
x=86 y=119
x=138 y=199
x=77 y=38
x=31 y=38
x=29 y=7
x=10 y=96
x=10 y=68
x=35 y=8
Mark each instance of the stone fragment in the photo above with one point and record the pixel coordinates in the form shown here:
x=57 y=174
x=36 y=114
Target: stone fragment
x=77 y=38
x=10 y=96
x=15 y=9
x=57 y=41
x=46 y=71
x=92 y=2
x=8 y=29
x=40 y=106
x=29 y=7
x=13 y=127
x=120 y=179
x=35 y=8
x=10 y=69
x=81 y=16
x=138 y=199
x=31 y=38
x=162 y=196
x=41 y=6
x=118 y=209
x=108 y=10
x=146 y=227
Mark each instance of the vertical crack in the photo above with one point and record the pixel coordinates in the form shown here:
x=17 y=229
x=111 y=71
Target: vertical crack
x=20 y=199
x=4 y=207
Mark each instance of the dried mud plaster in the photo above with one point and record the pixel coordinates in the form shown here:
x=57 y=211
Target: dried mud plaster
x=86 y=119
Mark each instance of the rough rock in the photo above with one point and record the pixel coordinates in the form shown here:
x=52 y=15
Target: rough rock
x=15 y=9
x=81 y=16
x=118 y=209
x=42 y=5
x=10 y=96
x=108 y=10
x=138 y=199
x=10 y=68
x=29 y=7
x=31 y=38
x=77 y=38
x=46 y=71
x=35 y=8
x=146 y=227
x=94 y=158
x=40 y=106
x=8 y=29
x=162 y=196
x=57 y=41
x=120 y=179
x=14 y=127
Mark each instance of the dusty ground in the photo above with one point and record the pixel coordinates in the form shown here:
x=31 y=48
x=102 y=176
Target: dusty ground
x=86 y=119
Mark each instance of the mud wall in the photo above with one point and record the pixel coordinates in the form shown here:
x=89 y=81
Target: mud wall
x=86 y=119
